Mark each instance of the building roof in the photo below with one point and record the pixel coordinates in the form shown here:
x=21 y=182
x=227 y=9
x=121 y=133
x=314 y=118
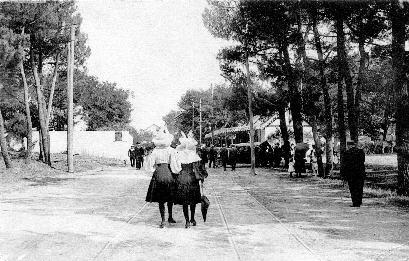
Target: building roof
x=259 y=123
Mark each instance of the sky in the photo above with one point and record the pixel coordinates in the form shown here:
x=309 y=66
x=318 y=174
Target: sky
x=158 y=49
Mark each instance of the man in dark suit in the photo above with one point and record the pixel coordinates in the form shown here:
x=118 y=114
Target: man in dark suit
x=354 y=172
x=212 y=156
x=139 y=152
x=233 y=157
x=224 y=155
x=131 y=155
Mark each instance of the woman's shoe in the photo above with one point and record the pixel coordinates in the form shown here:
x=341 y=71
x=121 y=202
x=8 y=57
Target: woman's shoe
x=193 y=222
x=162 y=224
x=187 y=225
x=171 y=220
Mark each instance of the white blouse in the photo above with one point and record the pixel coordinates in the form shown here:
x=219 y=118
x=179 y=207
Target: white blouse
x=163 y=155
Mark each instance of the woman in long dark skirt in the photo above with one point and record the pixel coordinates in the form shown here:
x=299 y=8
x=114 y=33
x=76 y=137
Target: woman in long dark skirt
x=187 y=182
x=163 y=163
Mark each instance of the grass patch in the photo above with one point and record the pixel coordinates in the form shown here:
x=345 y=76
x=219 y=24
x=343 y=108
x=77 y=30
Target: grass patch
x=370 y=192
x=399 y=201
x=36 y=170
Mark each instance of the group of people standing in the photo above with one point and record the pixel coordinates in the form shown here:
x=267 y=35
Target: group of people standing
x=226 y=156
x=271 y=155
x=177 y=176
x=136 y=155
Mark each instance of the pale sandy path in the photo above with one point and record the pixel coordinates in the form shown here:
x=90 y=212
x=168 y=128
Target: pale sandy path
x=104 y=217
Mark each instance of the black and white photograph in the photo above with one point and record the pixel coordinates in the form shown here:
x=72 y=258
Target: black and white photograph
x=206 y=130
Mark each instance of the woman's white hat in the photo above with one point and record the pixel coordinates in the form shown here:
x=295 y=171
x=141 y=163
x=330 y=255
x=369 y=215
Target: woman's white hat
x=183 y=141
x=163 y=138
x=192 y=143
x=187 y=149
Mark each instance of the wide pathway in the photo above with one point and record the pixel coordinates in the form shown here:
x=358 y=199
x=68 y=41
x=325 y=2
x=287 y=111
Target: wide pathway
x=103 y=216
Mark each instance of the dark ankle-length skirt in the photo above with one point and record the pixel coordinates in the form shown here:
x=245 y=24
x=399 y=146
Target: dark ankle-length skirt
x=187 y=186
x=162 y=185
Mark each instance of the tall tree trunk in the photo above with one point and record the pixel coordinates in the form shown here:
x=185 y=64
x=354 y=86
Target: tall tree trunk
x=3 y=144
x=284 y=131
x=401 y=94
x=41 y=113
x=341 y=117
x=295 y=96
x=26 y=102
x=317 y=141
x=361 y=78
x=52 y=89
x=28 y=114
x=327 y=99
x=250 y=109
x=345 y=71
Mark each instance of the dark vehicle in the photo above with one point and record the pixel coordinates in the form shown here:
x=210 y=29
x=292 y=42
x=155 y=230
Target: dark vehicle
x=244 y=152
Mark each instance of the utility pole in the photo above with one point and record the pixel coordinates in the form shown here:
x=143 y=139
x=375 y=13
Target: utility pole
x=253 y=157
x=70 y=101
x=212 y=120
x=193 y=117
x=200 y=121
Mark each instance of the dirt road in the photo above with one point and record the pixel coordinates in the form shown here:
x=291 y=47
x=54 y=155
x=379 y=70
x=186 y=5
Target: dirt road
x=103 y=216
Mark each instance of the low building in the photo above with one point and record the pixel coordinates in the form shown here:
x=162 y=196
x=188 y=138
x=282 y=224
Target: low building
x=109 y=144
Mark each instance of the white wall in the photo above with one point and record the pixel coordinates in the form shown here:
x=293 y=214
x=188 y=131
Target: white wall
x=94 y=143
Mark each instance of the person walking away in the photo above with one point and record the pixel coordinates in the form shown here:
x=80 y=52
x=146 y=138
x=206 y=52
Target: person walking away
x=187 y=183
x=212 y=157
x=233 y=157
x=163 y=163
x=224 y=155
x=131 y=155
x=354 y=172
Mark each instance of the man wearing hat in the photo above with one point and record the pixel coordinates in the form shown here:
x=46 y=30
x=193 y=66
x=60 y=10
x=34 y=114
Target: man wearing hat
x=224 y=155
x=131 y=155
x=233 y=157
x=354 y=172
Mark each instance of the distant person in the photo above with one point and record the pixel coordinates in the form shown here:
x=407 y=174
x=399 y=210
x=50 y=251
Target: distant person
x=286 y=153
x=203 y=153
x=224 y=156
x=212 y=157
x=354 y=172
x=277 y=155
x=299 y=158
x=314 y=161
x=141 y=155
x=139 y=152
x=131 y=155
x=291 y=169
x=233 y=157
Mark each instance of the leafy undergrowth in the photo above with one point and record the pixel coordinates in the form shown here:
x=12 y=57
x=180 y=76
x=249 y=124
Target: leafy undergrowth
x=38 y=170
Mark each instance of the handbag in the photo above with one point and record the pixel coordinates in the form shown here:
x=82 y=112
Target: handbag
x=200 y=171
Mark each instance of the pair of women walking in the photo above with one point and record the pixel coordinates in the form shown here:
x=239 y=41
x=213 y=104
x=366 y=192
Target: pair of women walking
x=176 y=176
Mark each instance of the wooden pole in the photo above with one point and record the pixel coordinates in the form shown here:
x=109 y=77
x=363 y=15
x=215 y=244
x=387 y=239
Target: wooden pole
x=253 y=158
x=212 y=121
x=200 y=122
x=193 y=117
x=70 y=101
